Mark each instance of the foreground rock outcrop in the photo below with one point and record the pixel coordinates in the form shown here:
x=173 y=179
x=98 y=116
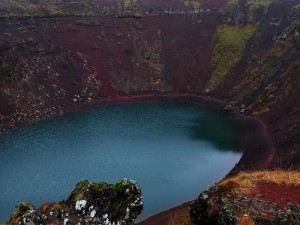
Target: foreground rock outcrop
x=268 y=197
x=89 y=203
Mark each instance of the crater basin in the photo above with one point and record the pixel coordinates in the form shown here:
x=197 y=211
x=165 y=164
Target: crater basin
x=173 y=151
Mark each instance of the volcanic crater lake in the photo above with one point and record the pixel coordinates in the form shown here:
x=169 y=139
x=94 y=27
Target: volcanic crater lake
x=173 y=151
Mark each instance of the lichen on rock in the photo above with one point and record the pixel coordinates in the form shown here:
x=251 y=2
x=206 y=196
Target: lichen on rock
x=88 y=203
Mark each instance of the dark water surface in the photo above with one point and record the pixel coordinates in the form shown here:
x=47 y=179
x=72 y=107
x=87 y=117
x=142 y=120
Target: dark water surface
x=173 y=151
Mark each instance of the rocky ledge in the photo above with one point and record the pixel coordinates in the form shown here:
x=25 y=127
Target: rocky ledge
x=88 y=203
x=266 y=198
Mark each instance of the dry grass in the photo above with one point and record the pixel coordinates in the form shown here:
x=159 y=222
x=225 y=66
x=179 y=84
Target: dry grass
x=50 y=206
x=245 y=220
x=244 y=183
x=180 y=218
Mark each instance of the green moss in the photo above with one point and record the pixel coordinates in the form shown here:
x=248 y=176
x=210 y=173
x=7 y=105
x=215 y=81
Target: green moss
x=274 y=93
x=297 y=7
x=254 y=5
x=20 y=210
x=129 y=7
x=113 y=199
x=79 y=190
x=82 y=185
x=258 y=89
x=230 y=41
x=231 y=5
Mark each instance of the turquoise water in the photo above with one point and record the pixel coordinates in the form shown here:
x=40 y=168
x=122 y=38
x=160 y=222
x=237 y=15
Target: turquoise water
x=173 y=151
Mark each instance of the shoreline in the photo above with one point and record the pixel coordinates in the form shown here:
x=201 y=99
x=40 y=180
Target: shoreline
x=119 y=99
x=256 y=144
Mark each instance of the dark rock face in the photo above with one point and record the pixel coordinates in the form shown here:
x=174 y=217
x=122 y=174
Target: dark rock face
x=88 y=203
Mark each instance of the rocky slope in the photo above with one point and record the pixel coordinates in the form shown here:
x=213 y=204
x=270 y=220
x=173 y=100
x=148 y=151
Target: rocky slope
x=266 y=197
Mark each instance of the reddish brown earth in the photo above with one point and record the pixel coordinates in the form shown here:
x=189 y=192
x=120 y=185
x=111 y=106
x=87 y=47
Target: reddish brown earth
x=166 y=217
x=278 y=193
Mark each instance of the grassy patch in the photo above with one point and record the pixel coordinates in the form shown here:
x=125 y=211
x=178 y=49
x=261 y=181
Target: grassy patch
x=244 y=183
x=230 y=41
x=274 y=93
x=271 y=90
x=20 y=210
x=254 y=5
x=231 y=5
x=129 y=6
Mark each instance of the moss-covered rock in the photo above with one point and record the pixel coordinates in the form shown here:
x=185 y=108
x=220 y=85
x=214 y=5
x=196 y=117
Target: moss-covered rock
x=22 y=211
x=233 y=198
x=98 y=203
x=255 y=5
x=130 y=7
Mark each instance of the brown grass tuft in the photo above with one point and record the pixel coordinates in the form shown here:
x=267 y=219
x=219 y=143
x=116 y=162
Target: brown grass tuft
x=244 y=182
x=245 y=220
x=49 y=206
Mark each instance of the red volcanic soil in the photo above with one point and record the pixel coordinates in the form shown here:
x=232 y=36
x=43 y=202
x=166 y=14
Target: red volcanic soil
x=165 y=217
x=278 y=193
